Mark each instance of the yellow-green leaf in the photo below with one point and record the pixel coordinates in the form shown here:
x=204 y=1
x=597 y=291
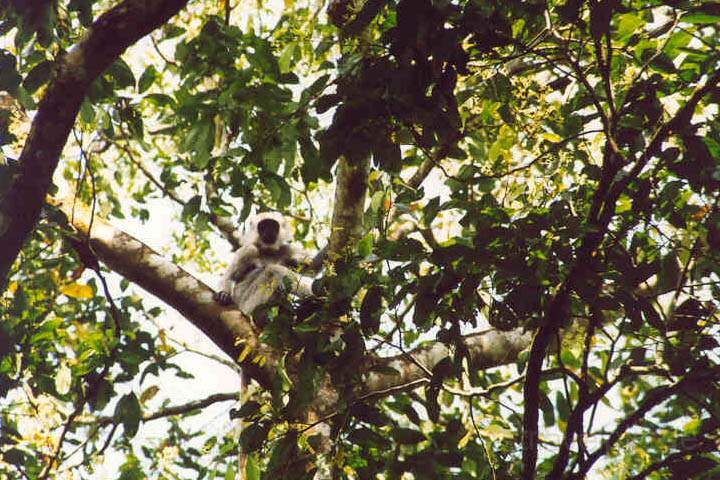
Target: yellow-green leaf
x=496 y=432
x=77 y=290
x=63 y=379
x=149 y=393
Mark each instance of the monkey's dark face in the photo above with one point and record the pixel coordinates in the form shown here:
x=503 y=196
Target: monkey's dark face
x=268 y=230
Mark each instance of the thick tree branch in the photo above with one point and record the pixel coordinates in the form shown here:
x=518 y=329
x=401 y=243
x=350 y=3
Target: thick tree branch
x=229 y=329
x=105 y=41
x=351 y=184
x=487 y=349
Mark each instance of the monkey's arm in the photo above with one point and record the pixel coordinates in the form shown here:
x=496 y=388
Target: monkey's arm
x=304 y=261
x=288 y=280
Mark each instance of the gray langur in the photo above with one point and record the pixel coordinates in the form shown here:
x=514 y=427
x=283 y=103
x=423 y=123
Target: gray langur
x=265 y=264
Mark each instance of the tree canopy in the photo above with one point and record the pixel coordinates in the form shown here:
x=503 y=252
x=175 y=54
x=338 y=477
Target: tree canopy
x=517 y=205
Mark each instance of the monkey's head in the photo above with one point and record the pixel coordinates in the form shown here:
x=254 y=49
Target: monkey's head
x=270 y=230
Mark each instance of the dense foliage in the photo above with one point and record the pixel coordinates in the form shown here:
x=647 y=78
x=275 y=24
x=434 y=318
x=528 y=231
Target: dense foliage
x=551 y=168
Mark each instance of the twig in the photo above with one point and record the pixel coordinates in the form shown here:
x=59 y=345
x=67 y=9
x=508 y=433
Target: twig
x=479 y=436
x=159 y=52
x=177 y=409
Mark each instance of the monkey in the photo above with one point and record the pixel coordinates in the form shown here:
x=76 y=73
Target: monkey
x=264 y=265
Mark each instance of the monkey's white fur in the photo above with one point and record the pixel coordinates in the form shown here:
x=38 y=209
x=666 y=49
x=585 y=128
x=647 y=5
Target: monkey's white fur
x=264 y=264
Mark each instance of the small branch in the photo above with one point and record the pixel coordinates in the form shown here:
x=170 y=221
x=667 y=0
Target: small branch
x=557 y=310
x=160 y=53
x=177 y=409
x=58 y=448
x=575 y=421
x=227 y=227
x=223 y=361
x=486 y=392
x=422 y=172
x=227 y=9
x=167 y=192
x=554 y=148
x=680 y=120
x=704 y=445
x=652 y=399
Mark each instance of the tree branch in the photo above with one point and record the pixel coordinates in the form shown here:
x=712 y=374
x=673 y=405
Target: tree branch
x=651 y=400
x=487 y=349
x=106 y=40
x=351 y=184
x=177 y=409
x=229 y=329
x=604 y=203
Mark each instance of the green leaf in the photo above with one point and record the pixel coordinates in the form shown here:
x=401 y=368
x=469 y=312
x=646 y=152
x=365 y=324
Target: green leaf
x=700 y=18
x=160 y=99
x=38 y=76
x=407 y=436
x=192 y=207
x=365 y=245
x=129 y=412
x=326 y=102
x=628 y=24
x=312 y=167
x=121 y=74
x=147 y=78
x=563 y=406
x=248 y=409
x=199 y=139
x=100 y=396
x=9 y=77
x=87 y=113
x=547 y=410
x=252 y=469
x=677 y=41
x=230 y=474
x=496 y=432
x=254 y=435
x=286 y=57
x=366 y=437
x=370 y=310
x=663 y=63
x=84 y=9
x=432 y=208
x=15 y=456
x=369 y=414
x=316 y=87
x=442 y=370
x=669 y=272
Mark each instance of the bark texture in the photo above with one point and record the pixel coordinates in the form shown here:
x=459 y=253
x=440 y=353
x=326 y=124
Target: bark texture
x=490 y=348
x=351 y=184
